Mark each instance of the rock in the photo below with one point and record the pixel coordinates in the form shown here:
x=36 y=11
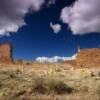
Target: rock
x=6 y=53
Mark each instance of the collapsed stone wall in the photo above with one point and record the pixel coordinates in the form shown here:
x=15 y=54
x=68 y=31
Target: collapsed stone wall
x=6 y=53
x=88 y=58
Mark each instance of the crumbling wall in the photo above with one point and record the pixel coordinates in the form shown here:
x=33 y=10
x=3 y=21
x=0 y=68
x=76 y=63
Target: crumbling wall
x=88 y=58
x=6 y=53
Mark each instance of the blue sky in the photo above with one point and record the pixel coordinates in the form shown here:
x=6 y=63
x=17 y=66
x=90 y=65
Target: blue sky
x=37 y=39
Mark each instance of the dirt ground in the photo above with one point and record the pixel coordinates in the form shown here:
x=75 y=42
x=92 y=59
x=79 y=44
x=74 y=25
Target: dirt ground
x=34 y=81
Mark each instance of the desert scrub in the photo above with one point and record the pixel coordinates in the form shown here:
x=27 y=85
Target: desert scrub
x=59 y=87
x=49 y=86
x=19 y=62
x=39 y=86
x=58 y=70
x=98 y=92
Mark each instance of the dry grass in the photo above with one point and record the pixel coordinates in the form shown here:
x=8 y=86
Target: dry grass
x=48 y=82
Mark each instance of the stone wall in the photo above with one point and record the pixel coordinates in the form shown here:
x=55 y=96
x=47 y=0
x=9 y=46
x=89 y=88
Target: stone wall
x=88 y=58
x=6 y=53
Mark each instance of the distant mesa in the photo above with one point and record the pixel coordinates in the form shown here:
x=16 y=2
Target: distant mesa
x=6 y=53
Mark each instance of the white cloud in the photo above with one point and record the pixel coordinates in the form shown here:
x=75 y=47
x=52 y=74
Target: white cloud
x=55 y=27
x=37 y=4
x=12 y=13
x=83 y=17
x=51 y=2
x=55 y=59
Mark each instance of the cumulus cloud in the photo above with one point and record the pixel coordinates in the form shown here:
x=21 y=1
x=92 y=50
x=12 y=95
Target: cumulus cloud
x=55 y=27
x=83 y=17
x=37 y=4
x=55 y=59
x=12 y=13
x=51 y=2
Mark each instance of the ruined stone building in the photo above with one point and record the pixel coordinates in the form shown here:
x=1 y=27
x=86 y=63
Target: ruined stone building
x=85 y=57
x=6 y=53
x=88 y=57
